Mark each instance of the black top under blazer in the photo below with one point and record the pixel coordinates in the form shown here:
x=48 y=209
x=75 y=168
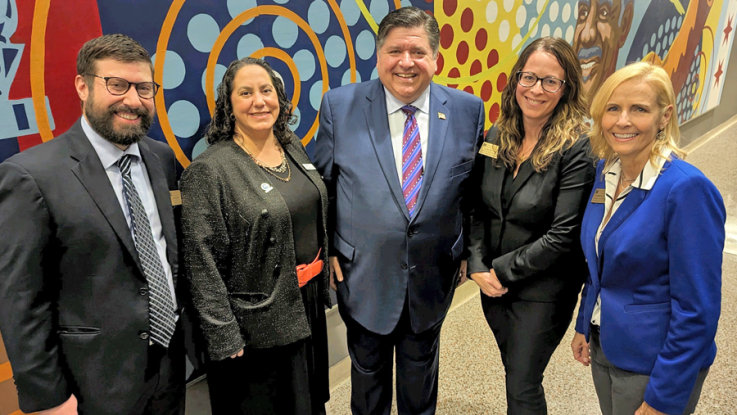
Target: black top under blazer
x=534 y=247
x=239 y=250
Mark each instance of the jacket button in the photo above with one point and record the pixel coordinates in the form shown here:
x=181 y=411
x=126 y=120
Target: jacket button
x=322 y=177
x=410 y=234
x=264 y=213
x=143 y=291
x=272 y=240
x=143 y=335
x=404 y=266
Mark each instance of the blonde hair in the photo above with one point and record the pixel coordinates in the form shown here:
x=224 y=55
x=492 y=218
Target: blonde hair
x=565 y=124
x=658 y=80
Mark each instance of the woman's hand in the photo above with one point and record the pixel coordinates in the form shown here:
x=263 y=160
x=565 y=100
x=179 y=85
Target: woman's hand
x=646 y=409
x=489 y=283
x=67 y=408
x=239 y=354
x=335 y=271
x=462 y=275
x=581 y=349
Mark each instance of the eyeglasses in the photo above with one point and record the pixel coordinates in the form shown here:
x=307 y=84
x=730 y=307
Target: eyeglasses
x=120 y=86
x=549 y=83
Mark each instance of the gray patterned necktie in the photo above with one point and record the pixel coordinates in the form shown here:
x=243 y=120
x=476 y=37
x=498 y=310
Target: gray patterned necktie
x=160 y=304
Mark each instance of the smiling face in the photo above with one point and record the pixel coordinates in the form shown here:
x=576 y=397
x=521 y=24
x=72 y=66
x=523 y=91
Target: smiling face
x=405 y=63
x=536 y=104
x=120 y=119
x=631 y=120
x=601 y=30
x=254 y=101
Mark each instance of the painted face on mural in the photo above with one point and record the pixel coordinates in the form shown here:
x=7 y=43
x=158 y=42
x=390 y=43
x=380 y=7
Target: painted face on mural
x=406 y=63
x=601 y=30
x=121 y=119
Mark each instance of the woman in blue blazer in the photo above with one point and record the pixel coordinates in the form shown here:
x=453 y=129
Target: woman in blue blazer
x=653 y=236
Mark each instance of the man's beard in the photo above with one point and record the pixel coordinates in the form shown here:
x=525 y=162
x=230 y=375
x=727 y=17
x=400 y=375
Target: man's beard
x=102 y=122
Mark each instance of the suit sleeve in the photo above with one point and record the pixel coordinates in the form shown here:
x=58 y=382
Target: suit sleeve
x=576 y=179
x=695 y=240
x=28 y=292
x=206 y=250
x=324 y=163
x=469 y=202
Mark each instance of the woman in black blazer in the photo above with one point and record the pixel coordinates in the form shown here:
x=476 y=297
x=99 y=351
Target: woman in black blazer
x=524 y=253
x=253 y=208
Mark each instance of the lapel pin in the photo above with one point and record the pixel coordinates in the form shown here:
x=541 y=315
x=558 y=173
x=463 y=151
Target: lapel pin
x=266 y=187
x=441 y=115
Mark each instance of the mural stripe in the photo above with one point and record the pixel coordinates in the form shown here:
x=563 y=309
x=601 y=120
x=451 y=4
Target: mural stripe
x=38 y=52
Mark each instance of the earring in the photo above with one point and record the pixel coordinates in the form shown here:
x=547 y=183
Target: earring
x=661 y=135
x=232 y=117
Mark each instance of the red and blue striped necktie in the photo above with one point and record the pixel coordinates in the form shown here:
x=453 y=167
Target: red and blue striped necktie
x=412 y=170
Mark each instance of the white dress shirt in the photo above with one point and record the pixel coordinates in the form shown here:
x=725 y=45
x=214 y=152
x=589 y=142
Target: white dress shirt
x=109 y=155
x=645 y=181
x=397 y=117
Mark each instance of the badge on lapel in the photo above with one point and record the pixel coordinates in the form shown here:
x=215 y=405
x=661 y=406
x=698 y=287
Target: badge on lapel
x=441 y=115
x=176 y=197
x=489 y=150
x=599 y=196
x=266 y=187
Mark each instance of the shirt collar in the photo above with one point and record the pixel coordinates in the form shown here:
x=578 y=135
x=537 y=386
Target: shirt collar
x=108 y=152
x=422 y=103
x=647 y=177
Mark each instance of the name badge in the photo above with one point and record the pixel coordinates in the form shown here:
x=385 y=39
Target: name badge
x=176 y=197
x=308 y=166
x=489 y=150
x=599 y=196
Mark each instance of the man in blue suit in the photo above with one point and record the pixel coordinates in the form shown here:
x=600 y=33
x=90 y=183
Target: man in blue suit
x=397 y=155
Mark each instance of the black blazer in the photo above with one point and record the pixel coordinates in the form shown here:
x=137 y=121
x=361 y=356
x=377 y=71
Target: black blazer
x=534 y=247
x=73 y=295
x=239 y=251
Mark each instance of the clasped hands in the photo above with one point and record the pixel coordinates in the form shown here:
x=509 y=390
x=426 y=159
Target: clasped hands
x=489 y=283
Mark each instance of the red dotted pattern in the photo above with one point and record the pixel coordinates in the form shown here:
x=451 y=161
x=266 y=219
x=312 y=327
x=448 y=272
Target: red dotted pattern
x=494 y=112
x=469 y=89
x=481 y=38
x=467 y=20
x=486 y=90
x=462 y=52
x=476 y=67
x=449 y=7
x=454 y=73
x=492 y=59
x=446 y=36
x=501 y=82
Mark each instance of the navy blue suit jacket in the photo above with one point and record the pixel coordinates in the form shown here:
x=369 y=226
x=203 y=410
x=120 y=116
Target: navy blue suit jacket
x=658 y=271
x=386 y=256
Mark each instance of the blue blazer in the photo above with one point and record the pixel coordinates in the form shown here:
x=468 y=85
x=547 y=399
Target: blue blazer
x=658 y=271
x=385 y=256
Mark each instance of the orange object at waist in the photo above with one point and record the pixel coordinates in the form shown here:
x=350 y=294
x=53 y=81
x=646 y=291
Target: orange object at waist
x=306 y=272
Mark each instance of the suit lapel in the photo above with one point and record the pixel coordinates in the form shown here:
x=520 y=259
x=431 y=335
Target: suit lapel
x=378 y=126
x=630 y=203
x=157 y=177
x=524 y=173
x=437 y=134
x=93 y=177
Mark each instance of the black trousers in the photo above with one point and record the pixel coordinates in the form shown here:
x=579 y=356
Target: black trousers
x=527 y=334
x=165 y=379
x=372 y=358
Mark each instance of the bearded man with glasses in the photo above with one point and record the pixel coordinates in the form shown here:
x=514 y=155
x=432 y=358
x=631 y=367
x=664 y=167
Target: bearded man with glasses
x=88 y=257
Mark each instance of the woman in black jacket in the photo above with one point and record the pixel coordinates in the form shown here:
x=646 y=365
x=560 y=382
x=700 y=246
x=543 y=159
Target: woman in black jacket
x=253 y=217
x=524 y=250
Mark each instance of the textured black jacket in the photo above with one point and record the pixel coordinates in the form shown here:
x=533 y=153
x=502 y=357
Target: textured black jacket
x=534 y=249
x=239 y=251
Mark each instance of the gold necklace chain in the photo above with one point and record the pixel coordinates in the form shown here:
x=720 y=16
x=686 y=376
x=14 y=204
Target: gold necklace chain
x=281 y=168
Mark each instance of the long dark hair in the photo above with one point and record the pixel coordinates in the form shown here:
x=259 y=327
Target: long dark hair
x=565 y=124
x=222 y=125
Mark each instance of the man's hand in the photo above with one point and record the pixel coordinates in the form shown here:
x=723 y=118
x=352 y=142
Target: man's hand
x=67 y=408
x=489 y=283
x=462 y=276
x=646 y=409
x=335 y=271
x=239 y=354
x=581 y=349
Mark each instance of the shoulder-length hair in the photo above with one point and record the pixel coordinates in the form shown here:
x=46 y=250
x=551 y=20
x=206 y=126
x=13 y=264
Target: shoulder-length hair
x=658 y=79
x=222 y=125
x=565 y=124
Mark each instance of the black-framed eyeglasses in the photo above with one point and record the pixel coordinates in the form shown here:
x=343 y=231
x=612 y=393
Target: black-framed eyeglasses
x=120 y=86
x=549 y=83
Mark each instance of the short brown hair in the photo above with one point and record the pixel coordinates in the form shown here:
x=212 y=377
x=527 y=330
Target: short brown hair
x=114 y=46
x=410 y=17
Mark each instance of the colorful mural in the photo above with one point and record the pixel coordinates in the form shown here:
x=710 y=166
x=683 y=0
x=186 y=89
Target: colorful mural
x=316 y=45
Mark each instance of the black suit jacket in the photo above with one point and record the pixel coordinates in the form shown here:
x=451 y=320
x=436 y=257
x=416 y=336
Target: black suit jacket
x=533 y=247
x=73 y=295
